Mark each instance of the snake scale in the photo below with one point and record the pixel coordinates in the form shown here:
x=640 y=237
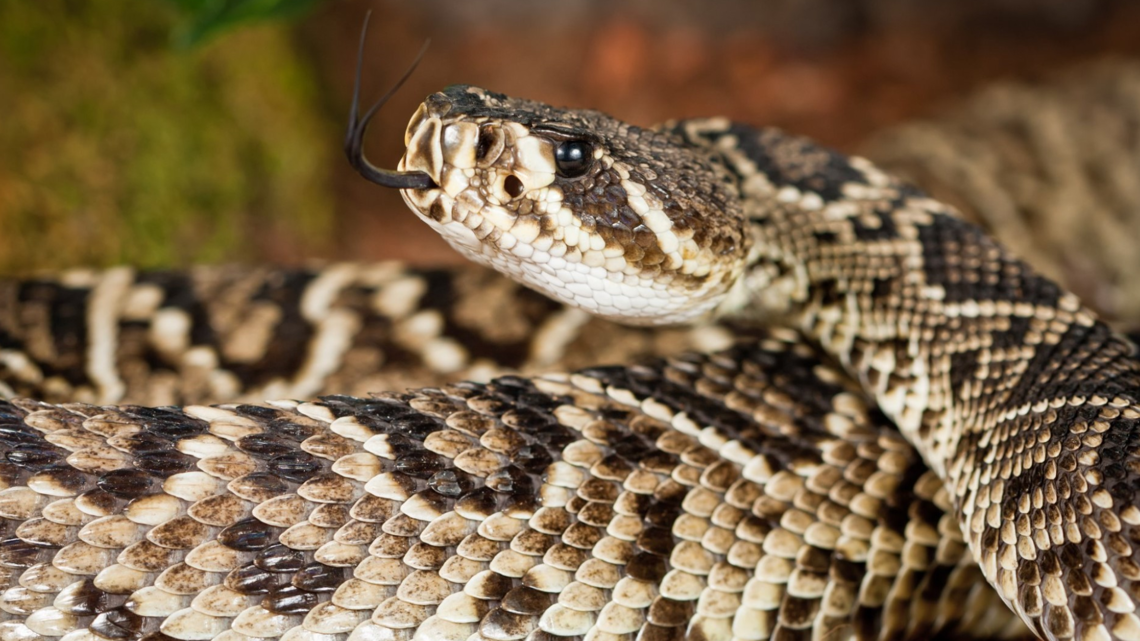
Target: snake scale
x=935 y=430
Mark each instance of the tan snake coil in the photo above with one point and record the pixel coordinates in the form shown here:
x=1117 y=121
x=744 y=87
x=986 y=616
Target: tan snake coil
x=750 y=494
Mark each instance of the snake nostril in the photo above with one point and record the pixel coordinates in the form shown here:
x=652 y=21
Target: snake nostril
x=513 y=186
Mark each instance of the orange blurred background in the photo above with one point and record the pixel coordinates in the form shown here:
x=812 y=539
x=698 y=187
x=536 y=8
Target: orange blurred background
x=836 y=70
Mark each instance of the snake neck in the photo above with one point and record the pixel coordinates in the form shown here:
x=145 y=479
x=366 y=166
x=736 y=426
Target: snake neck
x=942 y=326
x=1016 y=395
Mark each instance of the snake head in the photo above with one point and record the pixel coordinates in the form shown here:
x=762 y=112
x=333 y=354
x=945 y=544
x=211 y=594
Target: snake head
x=621 y=221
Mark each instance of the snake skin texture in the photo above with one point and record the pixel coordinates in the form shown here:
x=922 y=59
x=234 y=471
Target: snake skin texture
x=749 y=494
x=222 y=334
x=765 y=491
x=1017 y=396
x=1034 y=162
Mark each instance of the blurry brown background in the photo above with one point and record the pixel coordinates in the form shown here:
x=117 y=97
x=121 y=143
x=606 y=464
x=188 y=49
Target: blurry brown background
x=118 y=146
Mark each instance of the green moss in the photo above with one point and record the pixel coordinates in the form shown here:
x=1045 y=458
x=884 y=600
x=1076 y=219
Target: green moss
x=116 y=147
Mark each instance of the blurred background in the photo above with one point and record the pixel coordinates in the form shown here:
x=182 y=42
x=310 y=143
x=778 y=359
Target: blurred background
x=168 y=132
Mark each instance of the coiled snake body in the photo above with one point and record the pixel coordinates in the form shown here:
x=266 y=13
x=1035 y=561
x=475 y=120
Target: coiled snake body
x=749 y=494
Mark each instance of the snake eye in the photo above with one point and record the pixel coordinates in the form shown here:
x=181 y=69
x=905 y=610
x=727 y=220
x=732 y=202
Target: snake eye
x=573 y=158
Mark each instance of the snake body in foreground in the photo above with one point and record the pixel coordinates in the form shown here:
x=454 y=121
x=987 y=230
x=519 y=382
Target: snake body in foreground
x=750 y=494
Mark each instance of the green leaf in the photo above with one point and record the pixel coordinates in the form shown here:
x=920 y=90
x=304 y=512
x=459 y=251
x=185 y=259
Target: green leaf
x=205 y=19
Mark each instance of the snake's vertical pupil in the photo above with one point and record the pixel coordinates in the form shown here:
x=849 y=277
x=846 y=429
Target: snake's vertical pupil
x=573 y=158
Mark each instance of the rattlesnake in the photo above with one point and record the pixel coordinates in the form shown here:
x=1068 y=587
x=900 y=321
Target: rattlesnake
x=1015 y=395
x=750 y=494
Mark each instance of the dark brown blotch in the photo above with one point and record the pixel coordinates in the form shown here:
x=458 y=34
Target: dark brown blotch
x=670 y=492
x=279 y=558
x=813 y=559
x=31 y=456
x=164 y=464
x=669 y=613
x=292 y=428
x=18 y=553
x=482 y=502
x=266 y=445
x=259 y=413
x=647 y=567
x=451 y=483
x=661 y=514
x=650 y=632
x=632 y=447
x=142 y=444
x=846 y=571
x=416 y=426
x=798 y=613
x=534 y=458
x=296 y=466
x=612 y=467
x=720 y=476
x=318 y=577
x=289 y=599
x=529 y=421
x=421 y=465
x=633 y=504
x=248 y=535
x=659 y=462
x=168 y=423
x=251 y=579
x=511 y=480
x=522 y=506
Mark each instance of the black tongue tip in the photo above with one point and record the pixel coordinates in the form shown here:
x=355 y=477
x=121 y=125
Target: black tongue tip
x=358 y=126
